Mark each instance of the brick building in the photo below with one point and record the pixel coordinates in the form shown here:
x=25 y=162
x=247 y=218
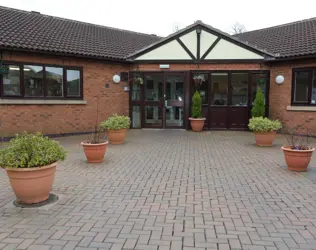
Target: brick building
x=55 y=71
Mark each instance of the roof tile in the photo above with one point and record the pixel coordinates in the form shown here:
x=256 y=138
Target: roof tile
x=287 y=40
x=31 y=30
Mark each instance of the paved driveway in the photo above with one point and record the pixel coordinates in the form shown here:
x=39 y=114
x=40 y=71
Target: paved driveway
x=170 y=190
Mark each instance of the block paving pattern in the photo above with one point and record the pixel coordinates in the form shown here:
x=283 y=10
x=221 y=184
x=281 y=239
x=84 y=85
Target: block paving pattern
x=169 y=190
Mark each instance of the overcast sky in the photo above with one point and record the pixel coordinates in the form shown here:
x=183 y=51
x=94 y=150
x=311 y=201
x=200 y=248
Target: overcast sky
x=159 y=17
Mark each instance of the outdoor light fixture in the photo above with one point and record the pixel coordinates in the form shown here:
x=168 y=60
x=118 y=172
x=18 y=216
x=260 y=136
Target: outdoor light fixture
x=279 y=79
x=116 y=78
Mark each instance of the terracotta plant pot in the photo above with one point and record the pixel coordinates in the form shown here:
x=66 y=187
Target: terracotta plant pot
x=197 y=124
x=95 y=152
x=297 y=160
x=32 y=185
x=264 y=139
x=116 y=136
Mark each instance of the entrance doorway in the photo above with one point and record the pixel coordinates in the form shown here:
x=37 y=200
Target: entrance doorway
x=157 y=99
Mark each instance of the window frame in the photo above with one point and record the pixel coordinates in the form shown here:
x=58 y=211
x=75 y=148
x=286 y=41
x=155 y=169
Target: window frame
x=310 y=86
x=45 y=97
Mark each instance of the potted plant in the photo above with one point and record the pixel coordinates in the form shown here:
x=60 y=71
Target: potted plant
x=95 y=147
x=198 y=79
x=30 y=161
x=264 y=130
x=138 y=80
x=258 y=108
x=197 y=121
x=116 y=126
x=298 y=152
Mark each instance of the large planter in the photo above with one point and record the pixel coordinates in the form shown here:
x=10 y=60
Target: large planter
x=297 y=160
x=32 y=185
x=264 y=139
x=116 y=136
x=95 y=152
x=197 y=124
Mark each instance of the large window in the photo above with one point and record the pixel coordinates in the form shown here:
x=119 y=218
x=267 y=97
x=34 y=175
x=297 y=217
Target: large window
x=41 y=81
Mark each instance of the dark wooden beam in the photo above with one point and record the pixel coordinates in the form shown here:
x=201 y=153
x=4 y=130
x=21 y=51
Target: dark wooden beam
x=186 y=49
x=210 y=48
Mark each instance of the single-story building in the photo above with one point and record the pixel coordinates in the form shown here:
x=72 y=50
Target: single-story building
x=55 y=71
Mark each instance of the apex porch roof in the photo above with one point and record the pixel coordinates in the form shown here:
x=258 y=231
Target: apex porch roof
x=200 y=42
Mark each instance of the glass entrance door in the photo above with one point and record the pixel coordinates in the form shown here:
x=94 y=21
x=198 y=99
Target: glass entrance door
x=174 y=100
x=153 y=100
x=163 y=100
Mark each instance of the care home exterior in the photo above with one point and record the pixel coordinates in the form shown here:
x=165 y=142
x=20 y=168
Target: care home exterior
x=55 y=72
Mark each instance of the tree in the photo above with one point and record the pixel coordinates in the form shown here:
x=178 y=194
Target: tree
x=258 y=108
x=238 y=28
x=175 y=28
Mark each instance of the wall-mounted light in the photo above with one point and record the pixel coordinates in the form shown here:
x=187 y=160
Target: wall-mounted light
x=116 y=78
x=279 y=79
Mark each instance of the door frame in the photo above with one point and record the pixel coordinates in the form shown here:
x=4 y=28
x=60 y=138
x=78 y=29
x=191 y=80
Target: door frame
x=143 y=103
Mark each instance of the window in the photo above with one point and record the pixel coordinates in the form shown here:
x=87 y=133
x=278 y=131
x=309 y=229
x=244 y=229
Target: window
x=54 y=81
x=11 y=81
x=258 y=81
x=33 y=80
x=219 y=89
x=41 y=81
x=73 y=83
x=304 y=87
x=239 y=88
x=203 y=87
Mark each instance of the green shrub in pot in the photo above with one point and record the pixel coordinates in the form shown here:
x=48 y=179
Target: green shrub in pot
x=30 y=161
x=116 y=126
x=196 y=105
x=264 y=130
x=116 y=122
x=31 y=150
x=260 y=124
x=258 y=108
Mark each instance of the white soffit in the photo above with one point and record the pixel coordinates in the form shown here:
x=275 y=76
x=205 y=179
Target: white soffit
x=207 y=39
x=228 y=50
x=190 y=41
x=169 y=51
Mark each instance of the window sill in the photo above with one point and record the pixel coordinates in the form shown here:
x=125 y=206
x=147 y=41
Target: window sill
x=301 y=108
x=41 y=102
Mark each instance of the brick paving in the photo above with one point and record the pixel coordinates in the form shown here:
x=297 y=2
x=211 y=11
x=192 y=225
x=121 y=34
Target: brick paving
x=170 y=190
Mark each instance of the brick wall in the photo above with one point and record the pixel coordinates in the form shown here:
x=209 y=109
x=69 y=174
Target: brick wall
x=280 y=96
x=60 y=119
x=223 y=66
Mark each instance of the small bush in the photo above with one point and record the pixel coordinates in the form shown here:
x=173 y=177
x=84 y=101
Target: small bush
x=260 y=124
x=31 y=150
x=258 y=108
x=196 y=105
x=116 y=122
